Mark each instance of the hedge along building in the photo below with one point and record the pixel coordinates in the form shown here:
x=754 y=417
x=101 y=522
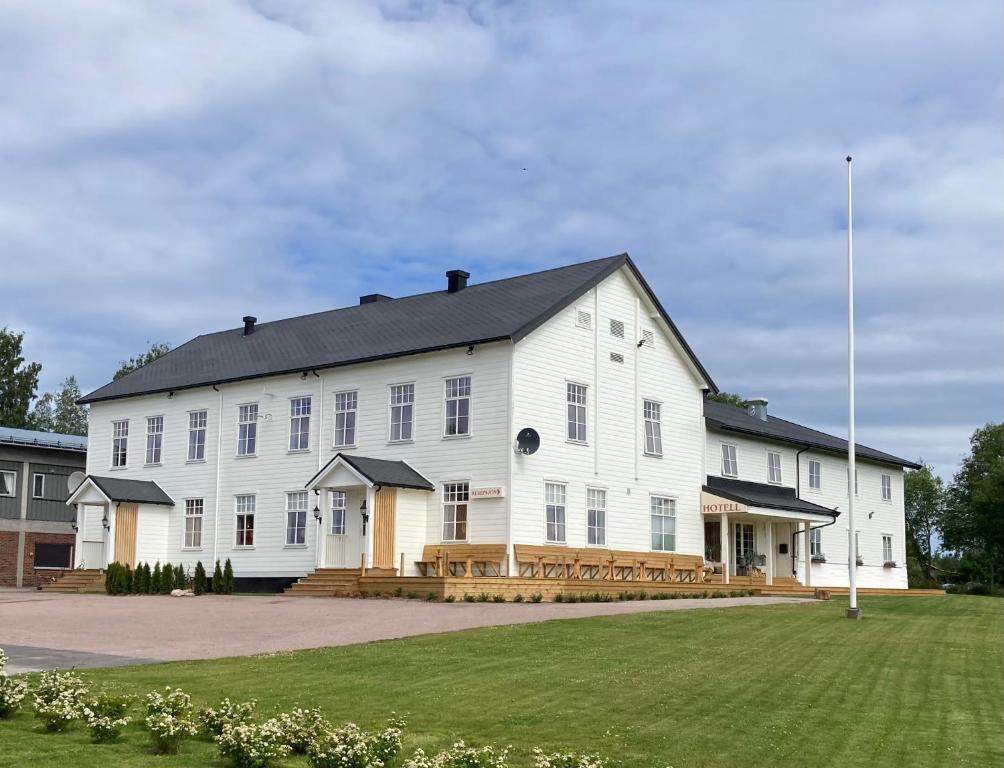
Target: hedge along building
x=364 y=436
x=36 y=535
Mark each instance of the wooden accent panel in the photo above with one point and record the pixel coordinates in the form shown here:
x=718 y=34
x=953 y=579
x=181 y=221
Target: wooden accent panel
x=125 y=534
x=384 y=522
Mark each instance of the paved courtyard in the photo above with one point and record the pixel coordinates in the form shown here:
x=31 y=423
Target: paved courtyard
x=42 y=630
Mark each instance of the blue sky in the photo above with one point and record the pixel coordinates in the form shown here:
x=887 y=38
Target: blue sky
x=169 y=167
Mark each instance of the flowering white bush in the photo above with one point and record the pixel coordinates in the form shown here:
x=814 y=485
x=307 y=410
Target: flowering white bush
x=12 y=691
x=302 y=728
x=169 y=719
x=349 y=746
x=461 y=756
x=227 y=713
x=251 y=745
x=565 y=760
x=58 y=699
x=105 y=716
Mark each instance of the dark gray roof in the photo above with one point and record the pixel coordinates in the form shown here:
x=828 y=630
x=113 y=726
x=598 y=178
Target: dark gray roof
x=494 y=311
x=732 y=419
x=36 y=439
x=132 y=491
x=761 y=495
x=394 y=474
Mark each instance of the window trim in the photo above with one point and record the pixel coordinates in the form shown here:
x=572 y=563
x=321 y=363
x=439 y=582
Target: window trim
x=564 y=507
x=658 y=422
x=254 y=526
x=470 y=405
x=780 y=467
x=344 y=509
x=205 y=437
x=35 y=477
x=892 y=552
x=292 y=418
x=306 y=508
x=355 y=421
x=125 y=445
x=184 y=528
x=819 y=475
x=886 y=476
x=673 y=501
x=585 y=415
x=160 y=447
x=597 y=489
x=467 y=512
x=390 y=412
x=816 y=542
x=735 y=458
x=240 y=423
x=13 y=485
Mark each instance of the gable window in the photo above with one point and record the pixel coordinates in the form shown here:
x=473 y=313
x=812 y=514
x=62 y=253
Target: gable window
x=245 y=509
x=886 y=487
x=815 y=475
x=154 y=439
x=816 y=542
x=338 y=508
x=663 y=523
x=596 y=517
x=345 y=418
x=299 y=424
x=458 y=406
x=247 y=429
x=886 y=548
x=730 y=468
x=197 y=421
x=617 y=328
x=653 y=427
x=194 y=509
x=120 y=442
x=575 y=396
x=38 y=486
x=554 y=512
x=8 y=483
x=296 y=518
x=402 y=412
x=773 y=467
x=455 y=498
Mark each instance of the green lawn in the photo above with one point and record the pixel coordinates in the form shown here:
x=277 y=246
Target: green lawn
x=917 y=682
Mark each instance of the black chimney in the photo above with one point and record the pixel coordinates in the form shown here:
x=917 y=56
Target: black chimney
x=369 y=298
x=456 y=280
x=249 y=322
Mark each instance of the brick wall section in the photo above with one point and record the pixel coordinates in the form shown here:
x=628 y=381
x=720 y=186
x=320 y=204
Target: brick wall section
x=32 y=576
x=8 y=558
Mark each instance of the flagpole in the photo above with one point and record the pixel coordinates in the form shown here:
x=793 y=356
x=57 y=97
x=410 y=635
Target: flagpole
x=852 y=539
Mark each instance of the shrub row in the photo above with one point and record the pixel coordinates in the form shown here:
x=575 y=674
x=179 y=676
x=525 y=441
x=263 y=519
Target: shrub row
x=120 y=579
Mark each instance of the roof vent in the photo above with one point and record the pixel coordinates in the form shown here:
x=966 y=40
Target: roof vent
x=370 y=298
x=249 y=322
x=757 y=407
x=456 y=280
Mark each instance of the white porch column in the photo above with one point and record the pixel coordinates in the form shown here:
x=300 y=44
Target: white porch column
x=770 y=553
x=320 y=528
x=371 y=511
x=726 y=550
x=109 y=532
x=807 y=552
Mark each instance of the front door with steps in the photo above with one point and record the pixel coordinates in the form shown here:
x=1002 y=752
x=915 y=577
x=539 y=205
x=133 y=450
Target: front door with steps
x=343 y=543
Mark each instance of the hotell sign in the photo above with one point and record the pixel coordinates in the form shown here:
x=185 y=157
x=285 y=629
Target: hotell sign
x=716 y=505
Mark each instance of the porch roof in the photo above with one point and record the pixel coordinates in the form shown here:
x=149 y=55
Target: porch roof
x=382 y=472
x=763 y=496
x=123 y=489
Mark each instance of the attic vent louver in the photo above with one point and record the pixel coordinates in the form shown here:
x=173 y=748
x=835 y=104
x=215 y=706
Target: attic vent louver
x=616 y=357
x=647 y=339
x=617 y=329
x=584 y=319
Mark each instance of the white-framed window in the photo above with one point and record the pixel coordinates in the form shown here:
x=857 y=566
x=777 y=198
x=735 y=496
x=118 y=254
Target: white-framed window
x=617 y=328
x=197 y=422
x=247 y=429
x=596 y=517
x=663 y=511
x=120 y=442
x=458 y=406
x=774 y=467
x=154 y=439
x=346 y=405
x=584 y=318
x=815 y=542
x=887 y=548
x=652 y=412
x=455 y=498
x=338 y=510
x=296 y=518
x=730 y=467
x=8 y=483
x=38 y=486
x=815 y=474
x=402 y=412
x=886 y=487
x=244 y=507
x=299 y=423
x=554 y=512
x=575 y=398
x=194 y=509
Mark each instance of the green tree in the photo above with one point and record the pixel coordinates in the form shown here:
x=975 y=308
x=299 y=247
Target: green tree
x=18 y=381
x=199 y=579
x=728 y=398
x=43 y=413
x=228 y=578
x=128 y=366
x=70 y=418
x=923 y=493
x=218 y=585
x=973 y=520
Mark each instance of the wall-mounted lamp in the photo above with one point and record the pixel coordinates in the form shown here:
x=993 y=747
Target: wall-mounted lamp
x=73 y=523
x=365 y=514
x=470 y=350
x=317 y=513
x=104 y=522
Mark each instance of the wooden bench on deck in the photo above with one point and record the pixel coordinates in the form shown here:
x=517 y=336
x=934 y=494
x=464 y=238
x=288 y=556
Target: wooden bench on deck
x=556 y=562
x=462 y=560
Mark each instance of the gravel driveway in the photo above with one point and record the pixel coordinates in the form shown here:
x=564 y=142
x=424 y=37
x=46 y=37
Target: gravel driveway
x=42 y=630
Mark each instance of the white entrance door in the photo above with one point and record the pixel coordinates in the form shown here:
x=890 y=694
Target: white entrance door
x=745 y=547
x=336 y=550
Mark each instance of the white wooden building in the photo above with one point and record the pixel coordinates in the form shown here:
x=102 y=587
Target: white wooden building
x=364 y=434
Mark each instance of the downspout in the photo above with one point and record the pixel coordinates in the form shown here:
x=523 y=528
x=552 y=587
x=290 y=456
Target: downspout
x=219 y=461
x=596 y=381
x=635 y=353
x=510 y=453
x=794 y=537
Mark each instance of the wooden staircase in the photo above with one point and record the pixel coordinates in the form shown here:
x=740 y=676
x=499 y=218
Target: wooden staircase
x=80 y=580
x=327 y=582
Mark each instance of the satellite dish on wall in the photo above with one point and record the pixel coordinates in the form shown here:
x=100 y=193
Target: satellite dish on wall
x=527 y=441
x=74 y=480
